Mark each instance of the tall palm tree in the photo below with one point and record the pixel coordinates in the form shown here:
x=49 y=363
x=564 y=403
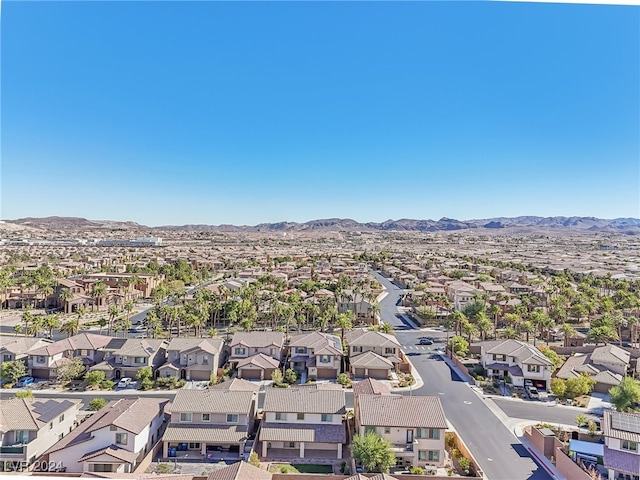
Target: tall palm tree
x=98 y=292
x=71 y=326
x=65 y=295
x=36 y=327
x=113 y=314
x=52 y=322
x=102 y=322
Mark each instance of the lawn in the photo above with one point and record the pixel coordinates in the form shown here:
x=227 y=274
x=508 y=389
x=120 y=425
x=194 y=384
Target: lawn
x=299 y=468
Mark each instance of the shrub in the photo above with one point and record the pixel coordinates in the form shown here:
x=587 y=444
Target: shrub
x=163 y=468
x=343 y=379
x=416 y=471
x=24 y=394
x=465 y=464
x=290 y=376
x=145 y=384
x=107 y=384
x=180 y=383
x=97 y=403
x=254 y=459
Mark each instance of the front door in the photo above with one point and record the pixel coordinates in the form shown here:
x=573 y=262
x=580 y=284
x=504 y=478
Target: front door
x=409 y=436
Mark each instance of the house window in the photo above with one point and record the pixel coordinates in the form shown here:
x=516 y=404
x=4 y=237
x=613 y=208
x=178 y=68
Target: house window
x=433 y=455
x=434 y=433
x=421 y=433
x=300 y=416
x=185 y=417
x=6 y=358
x=272 y=352
x=124 y=358
x=422 y=455
x=281 y=416
x=232 y=418
x=533 y=368
x=239 y=351
x=500 y=358
x=139 y=360
x=205 y=360
x=102 y=467
x=629 y=445
x=327 y=417
x=121 y=438
x=194 y=446
x=356 y=349
x=84 y=353
x=61 y=418
x=22 y=436
x=206 y=417
x=40 y=359
x=324 y=358
x=389 y=350
x=369 y=429
x=60 y=436
x=387 y=430
x=51 y=426
x=289 y=444
x=301 y=350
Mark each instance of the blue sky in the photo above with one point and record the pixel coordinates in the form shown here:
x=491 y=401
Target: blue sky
x=242 y=113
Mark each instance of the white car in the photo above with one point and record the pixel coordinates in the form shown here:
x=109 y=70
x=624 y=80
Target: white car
x=124 y=382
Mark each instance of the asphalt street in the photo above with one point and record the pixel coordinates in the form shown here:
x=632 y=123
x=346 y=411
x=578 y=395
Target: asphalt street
x=497 y=449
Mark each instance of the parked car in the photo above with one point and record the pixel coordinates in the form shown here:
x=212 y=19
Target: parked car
x=528 y=384
x=425 y=341
x=533 y=393
x=124 y=382
x=23 y=382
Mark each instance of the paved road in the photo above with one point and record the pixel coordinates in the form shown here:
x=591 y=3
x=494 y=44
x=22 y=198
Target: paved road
x=541 y=411
x=497 y=450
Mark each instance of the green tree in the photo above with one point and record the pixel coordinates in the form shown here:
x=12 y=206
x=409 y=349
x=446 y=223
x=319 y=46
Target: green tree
x=581 y=420
x=70 y=369
x=373 y=452
x=551 y=355
x=386 y=327
x=94 y=379
x=13 y=370
x=559 y=387
x=581 y=385
x=459 y=345
x=626 y=394
x=70 y=327
x=97 y=403
x=276 y=376
x=144 y=373
x=290 y=376
x=254 y=459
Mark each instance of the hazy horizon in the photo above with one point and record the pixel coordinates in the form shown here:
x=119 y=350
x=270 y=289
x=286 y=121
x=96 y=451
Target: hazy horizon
x=171 y=113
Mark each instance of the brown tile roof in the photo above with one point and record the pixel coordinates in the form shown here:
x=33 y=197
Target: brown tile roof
x=401 y=411
x=370 y=386
x=205 y=433
x=81 y=341
x=236 y=384
x=209 y=345
x=258 y=339
x=259 y=360
x=610 y=354
x=304 y=400
x=212 y=401
x=112 y=451
x=21 y=345
x=371 y=360
x=294 y=432
x=31 y=414
x=239 y=471
x=321 y=343
x=368 y=338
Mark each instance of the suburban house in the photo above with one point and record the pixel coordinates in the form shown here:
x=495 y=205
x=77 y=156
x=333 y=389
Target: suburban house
x=28 y=427
x=44 y=360
x=607 y=365
x=621 y=439
x=372 y=354
x=359 y=304
x=210 y=424
x=303 y=422
x=369 y=386
x=125 y=357
x=18 y=348
x=317 y=355
x=461 y=293
x=266 y=347
x=519 y=360
x=114 y=439
x=193 y=358
x=240 y=471
x=414 y=425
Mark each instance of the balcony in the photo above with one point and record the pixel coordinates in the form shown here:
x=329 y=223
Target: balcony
x=12 y=450
x=403 y=448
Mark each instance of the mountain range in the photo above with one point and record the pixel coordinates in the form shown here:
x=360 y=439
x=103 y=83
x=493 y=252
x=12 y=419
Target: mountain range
x=629 y=226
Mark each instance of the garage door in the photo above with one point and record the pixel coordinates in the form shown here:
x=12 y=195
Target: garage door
x=380 y=374
x=359 y=373
x=327 y=373
x=40 y=373
x=200 y=374
x=250 y=374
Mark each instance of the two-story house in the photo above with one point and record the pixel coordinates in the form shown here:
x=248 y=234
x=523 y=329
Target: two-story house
x=607 y=365
x=317 y=355
x=621 y=439
x=256 y=354
x=359 y=304
x=18 y=348
x=210 y=424
x=303 y=422
x=125 y=357
x=517 y=359
x=414 y=425
x=372 y=354
x=28 y=427
x=43 y=361
x=193 y=358
x=461 y=293
x=114 y=439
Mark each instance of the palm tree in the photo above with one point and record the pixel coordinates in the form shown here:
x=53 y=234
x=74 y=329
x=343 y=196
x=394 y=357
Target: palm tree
x=103 y=322
x=459 y=319
x=128 y=306
x=527 y=327
x=71 y=326
x=27 y=318
x=17 y=328
x=495 y=311
x=113 y=314
x=36 y=326
x=345 y=322
x=52 y=322
x=568 y=331
x=98 y=292
x=483 y=324
x=65 y=295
